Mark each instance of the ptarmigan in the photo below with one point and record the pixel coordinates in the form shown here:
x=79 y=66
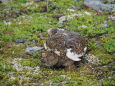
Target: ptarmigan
x=65 y=43
x=51 y=59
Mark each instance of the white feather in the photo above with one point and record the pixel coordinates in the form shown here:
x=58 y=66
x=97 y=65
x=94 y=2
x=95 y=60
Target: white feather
x=47 y=48
x=57 y=52
x=85 y=49
x=73 y=56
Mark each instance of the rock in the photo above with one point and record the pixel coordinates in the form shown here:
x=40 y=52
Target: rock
x=72 y=16
x=37 y=0
x=82 y=26
x=98 y=44
x=87 y=13
x=105 y=25
x=57 y=15
x=3 y=1
x=31 y=50
x=113 y=53
x=99 y=5
x=112 y=18
x=111 y=0
x=7 y=22
x=21 y=40
x=92 y=59
x=71 y=10
x=65 y=18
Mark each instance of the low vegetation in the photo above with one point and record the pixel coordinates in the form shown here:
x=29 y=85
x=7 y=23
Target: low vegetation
x=24 y=19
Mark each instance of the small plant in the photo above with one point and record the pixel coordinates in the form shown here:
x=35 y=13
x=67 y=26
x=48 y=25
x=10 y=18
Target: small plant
x=36 y=55
x=47 y=1
x=110 y=46
x=92 y=44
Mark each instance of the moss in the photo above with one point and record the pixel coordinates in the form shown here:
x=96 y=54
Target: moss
x=31 y=21
x=29 y=62
x=113 y=67
x=5 y=67
x=109 y=43
x=36 y=55
x=38 y=76
x=57 y=79
x=92 y=44
x=109 y=46
x=108 y=83
x=104 y=58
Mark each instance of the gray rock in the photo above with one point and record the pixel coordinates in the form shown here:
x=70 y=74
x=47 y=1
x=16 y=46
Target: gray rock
x=105 y=25
x=99 y=5
x=66 y=18
x=38 y=0
x=112 y=18
x=31 y=50
x=98 y=44
x=111 y=0
x=113 y=53
x=3 y=1
x=21 y=40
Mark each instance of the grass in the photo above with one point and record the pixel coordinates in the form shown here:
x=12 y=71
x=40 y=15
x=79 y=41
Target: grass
x=32 y=19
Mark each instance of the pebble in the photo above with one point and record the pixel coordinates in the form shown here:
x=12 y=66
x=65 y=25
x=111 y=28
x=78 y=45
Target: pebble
x=105 y=25
x=31 y=50
x=3 y=1
x=21 y=40
x=65 y=18
x=99 y=5
x=71 y=10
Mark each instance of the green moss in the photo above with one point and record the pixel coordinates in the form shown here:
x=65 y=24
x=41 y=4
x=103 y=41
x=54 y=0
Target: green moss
x=6 y=38
x=35 y=21
x=5 y=67
x=38 y=76
x=57 y=79
x=16 y=3
x=109 y=43
x=36 y=55
x=113 y=67
x=109 y=46
x=92 y=44
x=29 y=62
x=108 y=83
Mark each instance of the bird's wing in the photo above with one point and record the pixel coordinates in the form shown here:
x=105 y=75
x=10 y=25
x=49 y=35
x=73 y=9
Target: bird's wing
x=72 y=55
x=75 y=48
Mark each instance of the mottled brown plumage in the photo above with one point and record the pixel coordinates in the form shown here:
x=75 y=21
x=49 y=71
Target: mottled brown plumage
x=66 y=46
x=50 y=59
x=63 y=39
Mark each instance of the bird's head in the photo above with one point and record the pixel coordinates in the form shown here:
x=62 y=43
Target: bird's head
x=49 y=59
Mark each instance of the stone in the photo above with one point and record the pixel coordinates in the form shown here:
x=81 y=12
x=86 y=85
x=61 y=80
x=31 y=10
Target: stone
x=71 y=10
x=3 y=1
x=21 y=40
x=37 y=0
x=31 y=50
x=111 y=0
x=112 y=18
x=99 y=5
x=105 y=25
x=66 y=18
